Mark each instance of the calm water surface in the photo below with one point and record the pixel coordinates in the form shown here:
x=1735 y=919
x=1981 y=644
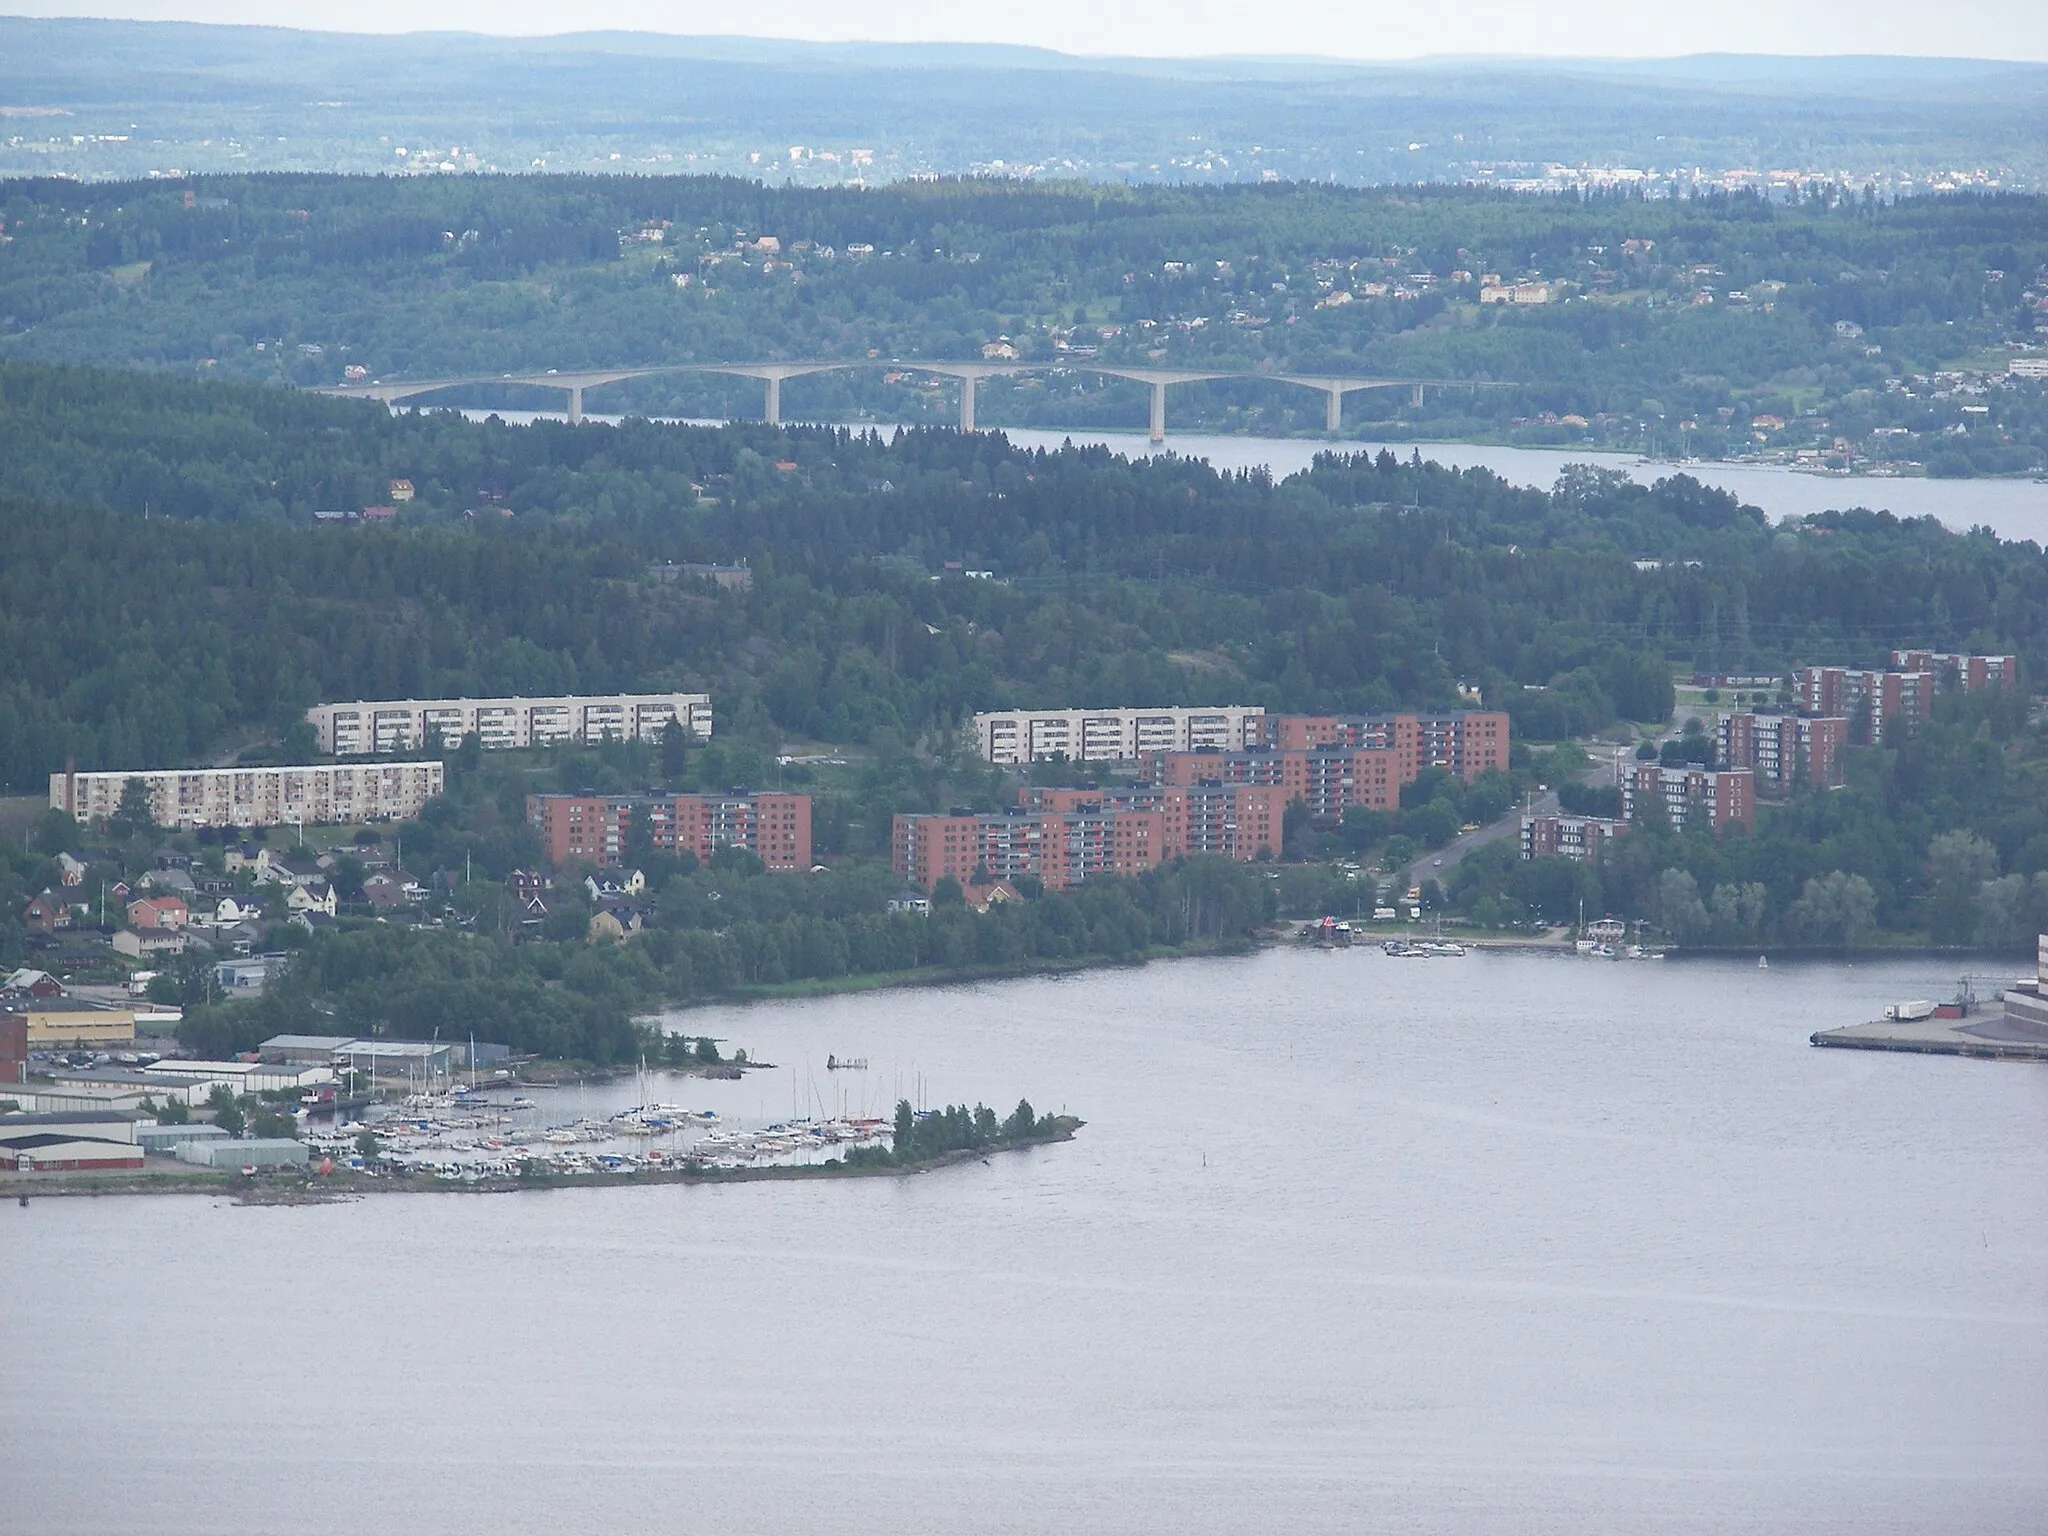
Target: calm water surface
x=1495 y=1244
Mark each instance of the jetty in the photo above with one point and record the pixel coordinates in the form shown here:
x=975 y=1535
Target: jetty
x=1987 y=1035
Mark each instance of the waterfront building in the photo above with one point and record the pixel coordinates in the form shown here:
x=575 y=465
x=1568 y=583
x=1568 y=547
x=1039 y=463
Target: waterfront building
x=313 y=795
x=1783 y=750
x=385 y=726
x=1880 y=706
x=1723 y=799
x=598 y=829
x=1586 y=838
x=1112 y=735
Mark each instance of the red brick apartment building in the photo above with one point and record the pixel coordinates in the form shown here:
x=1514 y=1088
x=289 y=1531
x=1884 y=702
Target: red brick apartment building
x=1330 y=763
x=596 y=829
x=1066 y=836
x=1880 y=706
x=1571 y=837
x=1974 y=673
x=1783 y=750
x=1724 y=798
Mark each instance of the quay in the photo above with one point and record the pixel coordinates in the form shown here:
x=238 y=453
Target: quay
x=1989 y=1036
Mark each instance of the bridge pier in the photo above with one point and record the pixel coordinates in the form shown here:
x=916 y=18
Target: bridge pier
x=1158 y=410
x=967 y=402
x=575 y=404
x=774 y=409
x=1333 y=410
x=1416 y=398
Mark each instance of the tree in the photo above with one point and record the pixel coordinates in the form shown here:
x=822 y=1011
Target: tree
x=1836 y=908
x=227 y=1114
x=1680 y=912
x=137 y=814
x=1958 y=865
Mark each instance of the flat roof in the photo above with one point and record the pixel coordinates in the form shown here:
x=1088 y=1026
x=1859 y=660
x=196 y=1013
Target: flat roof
x=305 y=1042
x=67 y=1117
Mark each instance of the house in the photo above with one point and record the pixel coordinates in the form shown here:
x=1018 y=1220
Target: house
x=47 y=913
x=980 y=898
x=173 y=858
x=387 y=891
x=380 y=514
x=229 y=911
x=912 y=900
x=1000 y=350
x=35 y=984
x=616 y=923
x=313 y=896
x=72 y=870
x=402 y=491
x=138 y=943
x=614 y=885
x=313 y=921
x=174 y=881
x=281 y=873
x=158 y=913
x=253 y=857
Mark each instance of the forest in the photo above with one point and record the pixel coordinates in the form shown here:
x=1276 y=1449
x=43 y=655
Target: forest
x=1689 y=324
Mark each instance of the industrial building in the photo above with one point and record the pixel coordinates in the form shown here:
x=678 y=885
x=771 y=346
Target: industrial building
x=315 y=795
x=48 y=1023
x=385 y=726
x=260 y=1152
x=1112 y=735
x=68 y=1142
x=598 y=829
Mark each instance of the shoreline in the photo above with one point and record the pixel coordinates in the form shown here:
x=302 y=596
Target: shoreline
x=332 y=1189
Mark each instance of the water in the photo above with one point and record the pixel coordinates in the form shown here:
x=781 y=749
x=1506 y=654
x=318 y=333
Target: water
x=1531 y=1244
x=2014 y=509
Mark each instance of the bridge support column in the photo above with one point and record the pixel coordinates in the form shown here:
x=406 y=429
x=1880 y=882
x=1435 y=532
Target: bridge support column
x=774 y=409
x=1159 y=411
x=1415 y=399
x=1333 y=411
x=575 y=404
x=967 y=403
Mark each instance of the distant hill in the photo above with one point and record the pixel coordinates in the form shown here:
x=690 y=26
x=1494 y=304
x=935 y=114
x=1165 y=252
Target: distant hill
x=118 y=98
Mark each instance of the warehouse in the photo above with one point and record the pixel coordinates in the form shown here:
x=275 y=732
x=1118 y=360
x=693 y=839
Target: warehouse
x=256 y=1153
x=52 y=1153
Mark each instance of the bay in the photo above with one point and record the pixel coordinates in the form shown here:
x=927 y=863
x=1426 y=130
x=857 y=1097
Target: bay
x=1510 y=1242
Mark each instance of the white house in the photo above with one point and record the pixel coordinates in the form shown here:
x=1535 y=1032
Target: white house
x=313 y=896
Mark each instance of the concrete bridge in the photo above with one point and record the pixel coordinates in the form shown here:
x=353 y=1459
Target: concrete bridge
x=573 y=382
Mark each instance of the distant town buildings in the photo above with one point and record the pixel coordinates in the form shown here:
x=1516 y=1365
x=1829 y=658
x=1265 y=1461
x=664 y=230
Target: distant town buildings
x=1690 y=795
x=601 y=829
x=409 y=725
x=1570 y=837
x=315 y=795
x=1783 y=750
x=1111 y=735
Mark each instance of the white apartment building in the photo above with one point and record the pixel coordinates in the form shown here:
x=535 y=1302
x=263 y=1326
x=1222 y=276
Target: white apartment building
x=1113 y=735
x=320 y=795
x=412 y=725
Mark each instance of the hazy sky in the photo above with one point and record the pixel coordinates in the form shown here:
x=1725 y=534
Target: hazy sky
x=1362 y=29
